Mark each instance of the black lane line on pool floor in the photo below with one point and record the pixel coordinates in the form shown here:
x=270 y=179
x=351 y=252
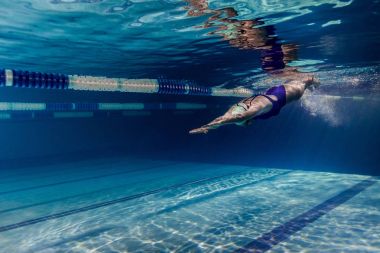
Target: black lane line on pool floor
x=51 y=201
x=108 y=203
x=281 y=233
x=83 y=194
x=2 y=211
x=76 y=180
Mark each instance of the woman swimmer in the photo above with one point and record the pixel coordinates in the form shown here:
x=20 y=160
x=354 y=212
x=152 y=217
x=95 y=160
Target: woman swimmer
x=261 y=106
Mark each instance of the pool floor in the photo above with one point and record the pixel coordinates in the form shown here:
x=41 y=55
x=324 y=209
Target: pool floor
x=136 y=205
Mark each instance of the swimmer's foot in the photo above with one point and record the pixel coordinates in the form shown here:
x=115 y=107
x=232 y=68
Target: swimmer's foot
x=311 y=82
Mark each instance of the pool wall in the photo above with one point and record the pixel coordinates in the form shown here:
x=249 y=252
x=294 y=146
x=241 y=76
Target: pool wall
x=294 y=139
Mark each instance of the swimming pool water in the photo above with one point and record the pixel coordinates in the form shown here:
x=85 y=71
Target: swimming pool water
x=84 y=169
x=137 y=205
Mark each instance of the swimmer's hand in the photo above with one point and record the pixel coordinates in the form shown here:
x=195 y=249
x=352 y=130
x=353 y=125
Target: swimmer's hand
x=212 y=125
x=201 y=130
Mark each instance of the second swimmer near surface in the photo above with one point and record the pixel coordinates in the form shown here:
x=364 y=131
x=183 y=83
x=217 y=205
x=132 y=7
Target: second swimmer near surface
x=261 y=106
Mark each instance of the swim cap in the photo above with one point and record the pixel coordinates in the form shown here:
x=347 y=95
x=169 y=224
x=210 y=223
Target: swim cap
x=239 y=109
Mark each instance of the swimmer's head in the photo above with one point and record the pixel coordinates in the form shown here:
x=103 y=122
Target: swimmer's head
x=239 y=109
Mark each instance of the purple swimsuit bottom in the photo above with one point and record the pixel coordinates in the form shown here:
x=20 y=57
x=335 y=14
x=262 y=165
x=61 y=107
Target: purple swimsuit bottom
x=280 y=93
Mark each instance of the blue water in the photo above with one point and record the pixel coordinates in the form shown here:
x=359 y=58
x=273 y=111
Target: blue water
x=306 y=180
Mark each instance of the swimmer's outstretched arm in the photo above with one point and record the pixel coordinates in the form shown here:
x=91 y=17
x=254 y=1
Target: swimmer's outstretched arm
x=258 y=106
x=222 y=120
